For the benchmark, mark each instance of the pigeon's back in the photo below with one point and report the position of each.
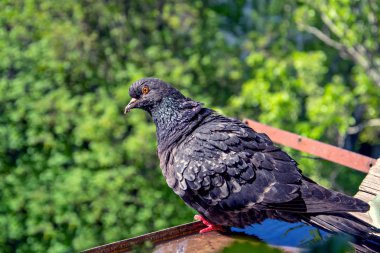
(233, 175)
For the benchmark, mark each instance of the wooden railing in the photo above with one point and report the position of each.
(326, 151)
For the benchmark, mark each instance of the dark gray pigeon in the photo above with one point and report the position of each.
(232, 175)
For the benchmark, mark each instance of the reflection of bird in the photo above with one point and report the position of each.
(232, 175)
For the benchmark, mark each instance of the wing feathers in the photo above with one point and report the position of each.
(231, 168)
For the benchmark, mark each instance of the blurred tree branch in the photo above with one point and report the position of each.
(358, 128)
(359, 51)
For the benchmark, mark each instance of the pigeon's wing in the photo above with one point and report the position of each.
(226, 164)
(232, 166)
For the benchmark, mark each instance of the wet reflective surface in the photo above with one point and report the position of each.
(290, 237)
(281, 233)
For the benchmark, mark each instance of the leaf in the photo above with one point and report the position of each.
(248, 247)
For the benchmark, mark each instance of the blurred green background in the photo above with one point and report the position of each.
(76, 173)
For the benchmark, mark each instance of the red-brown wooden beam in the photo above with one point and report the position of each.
(317, 148)
(154, 237)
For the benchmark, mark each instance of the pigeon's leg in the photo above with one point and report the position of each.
(210, 226)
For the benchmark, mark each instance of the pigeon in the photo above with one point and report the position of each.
(232, 175)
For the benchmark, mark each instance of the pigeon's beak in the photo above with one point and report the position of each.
(130, 105)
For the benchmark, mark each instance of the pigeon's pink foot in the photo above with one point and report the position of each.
(210, 226)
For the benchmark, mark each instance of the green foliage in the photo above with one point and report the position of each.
(248, 247)
(352, 29)
(146, 247)
(336, 243)
(76, 173)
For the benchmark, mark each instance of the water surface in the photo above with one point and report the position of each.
(282, 233)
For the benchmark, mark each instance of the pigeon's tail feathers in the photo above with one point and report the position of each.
(319, 199)
(316, 199)
(362, 232)
(343, 222)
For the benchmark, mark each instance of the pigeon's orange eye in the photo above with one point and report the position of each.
(145, 90)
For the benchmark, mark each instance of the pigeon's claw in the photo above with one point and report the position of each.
(210, 226)
(200, 218)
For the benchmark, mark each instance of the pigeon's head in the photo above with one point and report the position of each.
(147, 93)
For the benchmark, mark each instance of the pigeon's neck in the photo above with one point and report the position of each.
(174, 118)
